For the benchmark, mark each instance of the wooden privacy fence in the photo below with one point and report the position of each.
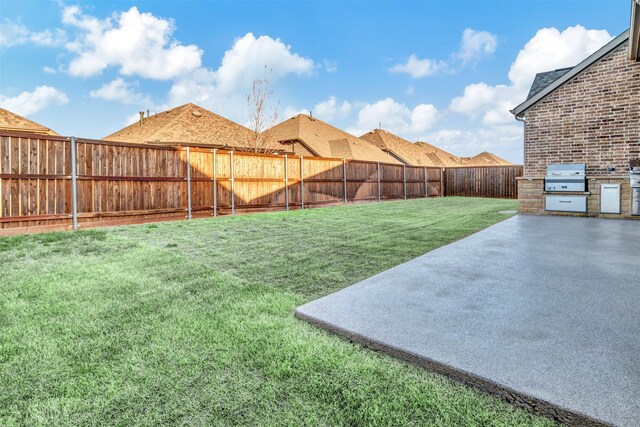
(483, 181)
(54, 182)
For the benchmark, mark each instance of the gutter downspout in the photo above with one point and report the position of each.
(524, 142)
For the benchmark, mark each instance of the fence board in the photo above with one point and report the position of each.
(128, 183)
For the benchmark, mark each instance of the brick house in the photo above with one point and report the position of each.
(587, 114)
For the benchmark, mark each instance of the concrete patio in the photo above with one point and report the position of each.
(542, 311)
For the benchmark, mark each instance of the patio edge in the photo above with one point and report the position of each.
(507, 394)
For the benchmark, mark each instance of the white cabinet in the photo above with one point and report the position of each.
(565, 203)
(610, 198)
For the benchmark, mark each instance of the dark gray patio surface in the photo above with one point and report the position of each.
(543, 311)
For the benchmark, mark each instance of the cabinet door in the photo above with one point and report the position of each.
(610, 198)
(565, 203)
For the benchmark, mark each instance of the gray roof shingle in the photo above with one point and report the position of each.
(543, 80)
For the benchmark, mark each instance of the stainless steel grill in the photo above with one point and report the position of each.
(566, 178)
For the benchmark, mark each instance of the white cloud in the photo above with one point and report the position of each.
(417, 68)
(225, 89)
(49, 70)
(131, 119)
(410, 90)
(332, 109)
(549, 49)
(476, 44)
(120, 91)
(490, 103)
(330, 66)
(291, 112)
(247, 58)
(395, 117)
(137, 43)
(328, 110)
(27, 103)
(14, 34)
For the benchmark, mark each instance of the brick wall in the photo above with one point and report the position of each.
(594, 119)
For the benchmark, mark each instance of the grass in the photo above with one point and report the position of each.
(190, 323)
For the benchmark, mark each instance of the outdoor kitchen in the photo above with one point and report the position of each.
(567, 189)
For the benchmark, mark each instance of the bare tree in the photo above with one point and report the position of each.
(262, 114)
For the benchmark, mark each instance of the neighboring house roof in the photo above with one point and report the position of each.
(425, 154)
(324, 140)
(542, 80)
(438, 155)
(485, 159)
(14, 123)
(187, 124)
(634, 31)
(593, 58)
(414, 154)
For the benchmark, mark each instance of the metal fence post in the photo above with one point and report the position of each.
(188, 184)
(302, 181)
(215, 184)
(233, 196)
(404, 179)
(378, 174)
(74, 182)
(286, 181)
(344, 175)
(426, 183)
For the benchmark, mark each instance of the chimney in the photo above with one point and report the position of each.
(147, 114)
(141, 117)
(311, 114)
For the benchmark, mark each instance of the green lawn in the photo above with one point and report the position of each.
(191, 323)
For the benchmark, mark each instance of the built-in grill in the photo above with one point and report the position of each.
(634, 176)
(566, 178)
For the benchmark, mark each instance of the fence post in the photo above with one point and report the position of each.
(404, 179)
(188, 184)
(442, 173)
(426, 183)
(302, 181)
(74, 182)
(344, 180)
(378, 174)
(286, 181)
(215, 184)
(233, 196)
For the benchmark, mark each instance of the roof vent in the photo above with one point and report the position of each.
(197, 113)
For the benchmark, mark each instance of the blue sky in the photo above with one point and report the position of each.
(445, 72)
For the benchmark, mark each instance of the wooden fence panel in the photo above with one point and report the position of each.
(128, 181)
(391, 181)
(435, 178)
(362, 181)
(483, 181)
(35, 182)
(323, 181)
